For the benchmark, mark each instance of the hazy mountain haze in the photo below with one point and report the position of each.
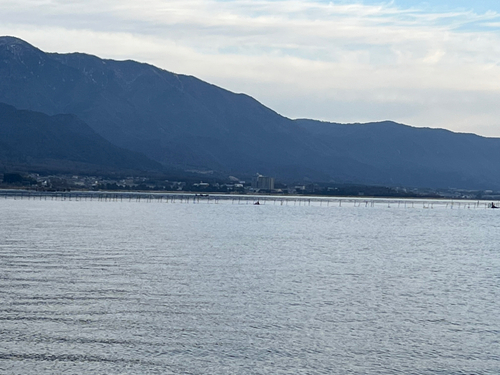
(424, 63)
(183, 122)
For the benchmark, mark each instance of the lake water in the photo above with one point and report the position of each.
(161, 288)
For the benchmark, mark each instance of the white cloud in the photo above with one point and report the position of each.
(338, 62)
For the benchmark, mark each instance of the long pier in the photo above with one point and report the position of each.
(288, 200)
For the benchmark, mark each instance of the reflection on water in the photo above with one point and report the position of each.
(128, 287)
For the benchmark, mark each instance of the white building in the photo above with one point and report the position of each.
(260, 182)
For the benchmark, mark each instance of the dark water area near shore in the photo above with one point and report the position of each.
(126, 287)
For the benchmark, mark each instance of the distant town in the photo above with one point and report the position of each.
(258, 184)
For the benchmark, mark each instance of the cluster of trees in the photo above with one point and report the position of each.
(17, 179)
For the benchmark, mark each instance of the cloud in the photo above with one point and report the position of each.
(300, 57)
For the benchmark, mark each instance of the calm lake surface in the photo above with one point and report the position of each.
(162, 288)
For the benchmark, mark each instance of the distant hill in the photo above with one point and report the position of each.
(61, 143)
(407, 156)
(181, 121)
(174, 119)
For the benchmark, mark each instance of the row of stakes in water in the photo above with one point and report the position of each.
(261, 200)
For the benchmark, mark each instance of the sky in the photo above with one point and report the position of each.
(422, 63)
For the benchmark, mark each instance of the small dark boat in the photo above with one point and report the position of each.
(257, 203)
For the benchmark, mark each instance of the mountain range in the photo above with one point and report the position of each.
(61, 143)
(155, 119)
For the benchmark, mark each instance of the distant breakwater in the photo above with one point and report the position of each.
(150, 197)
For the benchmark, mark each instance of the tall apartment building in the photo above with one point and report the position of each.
(260, 182)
